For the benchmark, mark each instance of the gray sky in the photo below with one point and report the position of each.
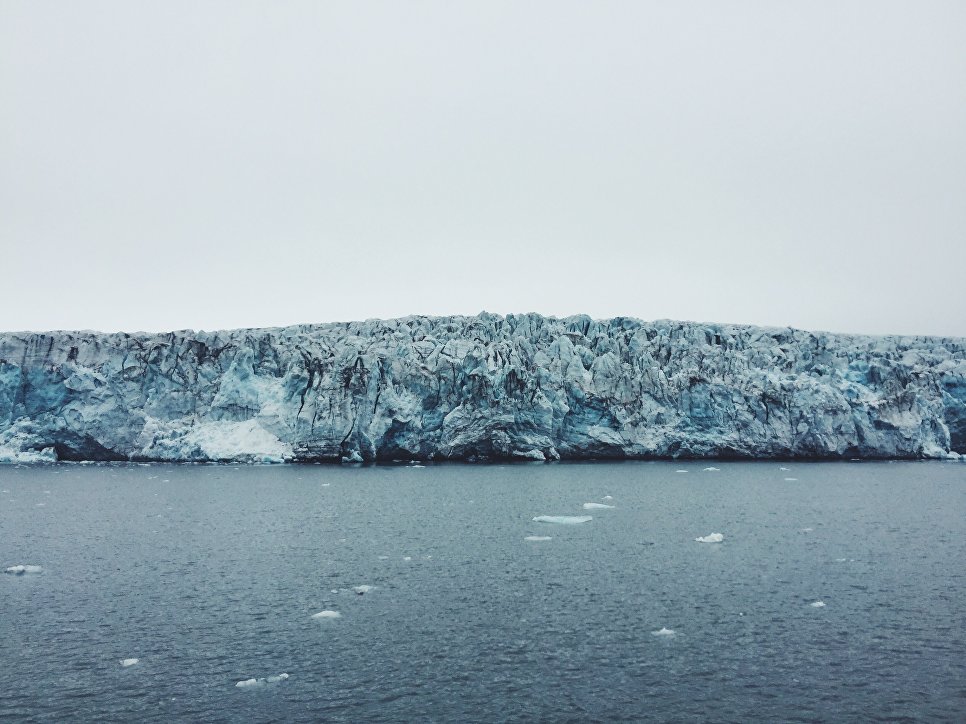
(222, 164)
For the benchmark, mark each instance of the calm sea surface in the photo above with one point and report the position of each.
(210, 575)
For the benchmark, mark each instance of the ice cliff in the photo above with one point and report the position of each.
(476, 388)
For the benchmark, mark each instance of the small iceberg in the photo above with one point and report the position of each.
(712, 470)
(598, 506)
(20, 570)
(711, 538)
(608, 497)
(538, 538)
(129, 662)
(562, 519)
(663, 632)
(790, 480)
(784, 469)
(817, 604)
(680, 471)
(365, 588)
(247, 683)
(326, 614)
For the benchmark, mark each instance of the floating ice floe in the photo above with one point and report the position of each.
(663, 631)
(712, 470)
(538, 538)
(711, 538)
(562, 519)
(784, 469)
(364, 588)
(597, 506)
(680, 471)
(327, 614)
(608, 497)
(129, 662)
(407, 558)
(20, 570)
(807, 530)
(259, 682)
(790, 480)
(817, 604)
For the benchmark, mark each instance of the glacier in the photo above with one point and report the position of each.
(478, 388)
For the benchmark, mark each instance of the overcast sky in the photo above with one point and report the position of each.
(170, 165)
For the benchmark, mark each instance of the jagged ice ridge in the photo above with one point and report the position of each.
(480, 388)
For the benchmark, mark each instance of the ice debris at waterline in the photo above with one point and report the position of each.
(597, 506)
(326, 614)
(129, 662)
(711, 538)
(479, 388)
(538, 538)
(562, 519)
(663, 632)
(259, 682)
(20, 570)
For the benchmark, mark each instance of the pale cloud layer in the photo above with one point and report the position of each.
(223, 164)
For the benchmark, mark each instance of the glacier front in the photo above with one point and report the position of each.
(477, 388)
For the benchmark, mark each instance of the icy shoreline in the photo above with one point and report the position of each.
(476, 389)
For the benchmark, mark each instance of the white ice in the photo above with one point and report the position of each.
(536, 538)
(790, 480)
(365, 588)
(785, 469)
(258, 682)
(712, 470)
(597, 506)
(664, 631)
(327, 614)
(562, 519)
(20, 570)
(129, 662)
(817, 604)
(712, 538)
(608, 497)
(680, 471)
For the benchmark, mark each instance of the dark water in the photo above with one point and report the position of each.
(209, 575)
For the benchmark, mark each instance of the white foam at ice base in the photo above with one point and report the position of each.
(326, 614)
(537, 538)
(21, 569)
(364, 588)
(597, 506)
(790, 480)
(663, 631)
(817, 604)
(129, 662)
(608, 497)
(711, 538)
(259, 682)
(562, 519)
(712, 470)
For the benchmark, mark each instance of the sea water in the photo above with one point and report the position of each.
(193, 592)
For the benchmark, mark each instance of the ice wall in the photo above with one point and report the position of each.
(475, 388)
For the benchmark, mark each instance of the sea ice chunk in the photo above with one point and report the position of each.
(536, 538)
(129, 662)
(663, 631)
(608, 497)
(712, 469)
(259, 682)
(247, 682)
(790, 480)
(817, 604)
(562, 519)
(597, 506)
(711, 538)
(21, 569)
(327, 614)
(680, 471)
(364, 588)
